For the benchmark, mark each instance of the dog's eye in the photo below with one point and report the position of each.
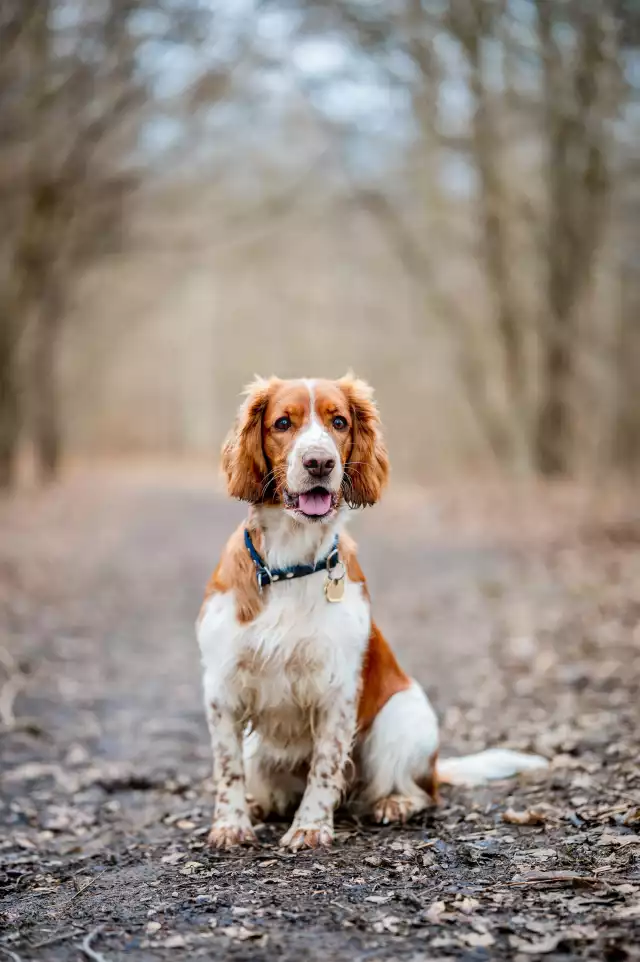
(339, 423)
(282, 424)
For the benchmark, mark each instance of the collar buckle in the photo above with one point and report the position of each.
(264, 576)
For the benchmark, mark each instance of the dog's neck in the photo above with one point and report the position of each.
(289, 542)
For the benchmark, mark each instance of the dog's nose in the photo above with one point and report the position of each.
(318, 464)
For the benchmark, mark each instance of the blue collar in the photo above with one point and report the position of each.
(266, 575)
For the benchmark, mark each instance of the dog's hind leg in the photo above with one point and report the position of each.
(397, 758)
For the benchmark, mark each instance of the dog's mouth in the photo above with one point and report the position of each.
(316, 504)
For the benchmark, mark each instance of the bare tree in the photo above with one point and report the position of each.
(77, 98)
(566, 112)
(577, 109)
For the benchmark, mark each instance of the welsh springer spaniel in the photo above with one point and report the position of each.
(298, 680)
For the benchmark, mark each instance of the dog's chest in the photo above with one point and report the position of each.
(301, 651)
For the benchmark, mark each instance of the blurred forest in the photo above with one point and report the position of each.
(443, 194)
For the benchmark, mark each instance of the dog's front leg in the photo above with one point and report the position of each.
(231, 820)
(334, 731)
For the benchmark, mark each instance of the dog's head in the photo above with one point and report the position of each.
(307, 445)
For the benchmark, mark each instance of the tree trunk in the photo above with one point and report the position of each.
(44, 386)
(627, 415)
(9, 404)
(472, 24)
(553, 427)
(576, 112)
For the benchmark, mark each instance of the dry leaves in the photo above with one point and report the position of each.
(620, 841)
(547, 655)
(552, 878)
(530, 816)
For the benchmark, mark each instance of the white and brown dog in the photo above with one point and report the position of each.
(303, 694)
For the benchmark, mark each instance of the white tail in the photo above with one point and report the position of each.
(487, 765)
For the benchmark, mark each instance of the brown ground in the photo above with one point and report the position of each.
(522, 633)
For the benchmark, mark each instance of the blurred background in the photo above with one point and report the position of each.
(443, 195)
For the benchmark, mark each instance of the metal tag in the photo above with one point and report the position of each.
(334, 587)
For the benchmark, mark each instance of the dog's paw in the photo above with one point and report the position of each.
(307, 836)
(226, 835)
(394, 808)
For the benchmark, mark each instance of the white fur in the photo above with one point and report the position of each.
(493, 763)
(398, 750)
(291, 676)
(314, 436)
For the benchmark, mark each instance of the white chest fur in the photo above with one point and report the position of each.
(297, 657)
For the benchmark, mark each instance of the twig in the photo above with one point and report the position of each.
(86, 949)
(81, 891)
(12, 955)
(552, 878)
(62, 937)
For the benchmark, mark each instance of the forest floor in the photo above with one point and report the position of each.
(521, 621)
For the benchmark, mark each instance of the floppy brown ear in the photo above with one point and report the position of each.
(243, 459)
(368, 465)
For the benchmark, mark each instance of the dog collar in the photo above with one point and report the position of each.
(267, 575)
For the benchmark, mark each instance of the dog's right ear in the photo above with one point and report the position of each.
(243, 459)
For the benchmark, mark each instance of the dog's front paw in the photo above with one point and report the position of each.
(226, 835)
(307, 836)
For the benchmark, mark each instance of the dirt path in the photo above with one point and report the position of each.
(105, 798)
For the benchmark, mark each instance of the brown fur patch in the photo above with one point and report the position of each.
(367, 467)
(349, 555)
(382, 677)
(243, 459)
(236, 572)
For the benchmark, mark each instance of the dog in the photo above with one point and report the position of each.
(304, 697)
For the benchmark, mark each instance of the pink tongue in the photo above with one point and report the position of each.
(314, 503)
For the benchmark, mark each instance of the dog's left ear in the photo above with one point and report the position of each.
(243, 459)
(368, 465)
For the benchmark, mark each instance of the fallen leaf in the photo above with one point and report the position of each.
(530, 816)
(478, 939)
(621, 841)
(550, 878)
(549, 943)
(540, 947)
(173, 858)
(389, 923)
(467, 905)
(175, 942)
(435, 912)
(444, 942)
(629, 912)
(540, 853)
(241, 933)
